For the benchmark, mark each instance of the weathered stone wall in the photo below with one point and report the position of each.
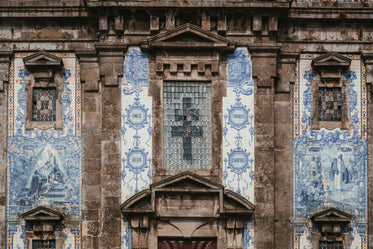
(3, 141)
(101, 35)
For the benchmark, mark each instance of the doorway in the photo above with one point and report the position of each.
(196, 243)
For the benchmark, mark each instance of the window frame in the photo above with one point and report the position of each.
(210, 116)
(46, 72)
(32, 124)
(202, 68)
(330, 67)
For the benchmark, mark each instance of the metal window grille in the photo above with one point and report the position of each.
(44, 104)
(43, 244)
(330, 104)
(330, 245)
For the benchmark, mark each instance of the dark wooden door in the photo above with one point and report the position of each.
(187, 243)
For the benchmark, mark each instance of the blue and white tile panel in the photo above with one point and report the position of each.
(329, 166)
(238, 131)
(44, 166)
(136, 130)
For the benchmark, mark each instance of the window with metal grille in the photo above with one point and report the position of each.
(330, 104)
(187, 125)
(330, 245)
(44, 104)
(43, 244)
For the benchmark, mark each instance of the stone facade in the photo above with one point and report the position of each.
(278, 173)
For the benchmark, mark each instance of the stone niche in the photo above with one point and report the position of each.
(43, 224)
(187, 207)
(46, 71)
(331, 223)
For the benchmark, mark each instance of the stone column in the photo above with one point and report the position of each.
(91, 135)
(368, 60)
(111, 66)
(264, 72)
(4, 78)
(283, 151)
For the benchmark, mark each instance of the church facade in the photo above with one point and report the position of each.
(186, 124)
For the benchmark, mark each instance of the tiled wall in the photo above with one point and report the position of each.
(238, 111)
(136, 130)
(238, 131)
(317, 153)
(54, 155)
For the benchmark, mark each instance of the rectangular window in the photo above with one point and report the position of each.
(43, 244)
(44, 104)
(330, 104)
(330, 245)
(187, 125)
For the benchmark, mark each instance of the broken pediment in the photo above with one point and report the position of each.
(236, 204)
(43, 61)
(42, 214)
(188, 36)
(187, 195)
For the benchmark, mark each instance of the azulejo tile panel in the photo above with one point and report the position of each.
(238, 131)
(136, 130)
(44, 166)
(329, 166)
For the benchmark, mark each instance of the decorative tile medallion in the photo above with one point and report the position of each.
(136, 130)
(329, 166)
(238, 132)
(44, 166)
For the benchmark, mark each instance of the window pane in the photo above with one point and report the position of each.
(330, 245)
(187, 125)
(44, 104)
(43, 244)
(330, 104)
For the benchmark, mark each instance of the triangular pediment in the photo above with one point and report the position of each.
(331, 215)
(236, 204)
(188, 36)
(186, 186)
(331, 59)
(42, 214)
(186, 180)
(42, 60)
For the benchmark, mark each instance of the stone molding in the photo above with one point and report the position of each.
(44, 222)
(4, 68)
(187, 206)
(188, 36)
(111, 57)
(331, 223)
